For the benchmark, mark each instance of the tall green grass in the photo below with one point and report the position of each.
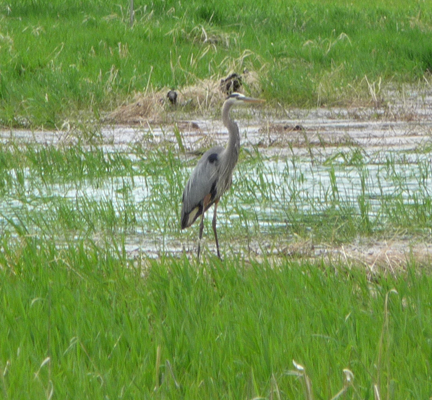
(83, 321)
(58, 58)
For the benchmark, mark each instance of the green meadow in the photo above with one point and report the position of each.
(101, 295)
(84, 322)
(78, 59)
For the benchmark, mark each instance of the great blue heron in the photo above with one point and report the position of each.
(212, 176)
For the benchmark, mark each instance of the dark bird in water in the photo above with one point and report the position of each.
(212, 176)
(172, 97)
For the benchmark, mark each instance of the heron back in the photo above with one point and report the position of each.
(205, 180)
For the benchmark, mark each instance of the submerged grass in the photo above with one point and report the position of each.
(84, 190)
(58, 59)
(62, 164)
(84, 321)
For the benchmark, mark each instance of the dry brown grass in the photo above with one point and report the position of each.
(378, 257)
(153, 106)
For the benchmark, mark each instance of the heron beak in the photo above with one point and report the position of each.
(252, 100)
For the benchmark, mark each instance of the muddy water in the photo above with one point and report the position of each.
(400, 131)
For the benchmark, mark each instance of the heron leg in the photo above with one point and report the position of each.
(205, 203)
(214, 227)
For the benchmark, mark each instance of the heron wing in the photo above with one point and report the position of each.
(202, 182)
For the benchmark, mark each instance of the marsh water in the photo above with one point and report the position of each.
(357, 158)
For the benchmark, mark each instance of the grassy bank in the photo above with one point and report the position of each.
(59, 59)
(85, 322)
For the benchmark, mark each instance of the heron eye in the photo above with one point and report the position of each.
(212, 158)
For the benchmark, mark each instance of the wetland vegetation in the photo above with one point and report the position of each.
(63, 60)
(100, 294)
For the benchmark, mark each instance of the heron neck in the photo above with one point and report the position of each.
(233, 147)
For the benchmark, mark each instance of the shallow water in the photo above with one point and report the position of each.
(356, 156)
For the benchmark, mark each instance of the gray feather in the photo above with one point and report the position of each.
(202, 182)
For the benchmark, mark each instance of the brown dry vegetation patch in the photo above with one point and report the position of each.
(377, 256)
(152, 106)
(392, 256)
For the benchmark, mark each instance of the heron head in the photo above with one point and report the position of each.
(238, 99)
